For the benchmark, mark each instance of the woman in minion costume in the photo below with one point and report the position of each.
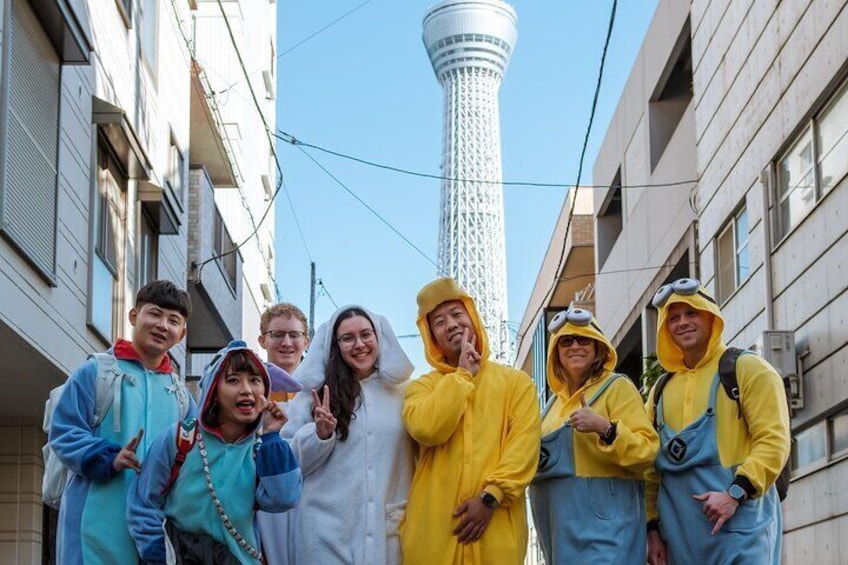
(597, 445)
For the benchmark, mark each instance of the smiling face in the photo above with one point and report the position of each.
(448, 321)
(358, 345)
(690, 330)
(576, 355)
(156, 330)
(285, 341)
(240, 398)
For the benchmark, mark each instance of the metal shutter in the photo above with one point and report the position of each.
(29, 188)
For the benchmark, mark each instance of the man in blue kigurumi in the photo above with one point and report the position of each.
(713, 499)
(146, 398)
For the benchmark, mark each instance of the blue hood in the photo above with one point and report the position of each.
(212, 373)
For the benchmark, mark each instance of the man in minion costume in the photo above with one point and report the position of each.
(713, 498)
(477, 426)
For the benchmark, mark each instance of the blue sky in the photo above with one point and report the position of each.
(364, 87)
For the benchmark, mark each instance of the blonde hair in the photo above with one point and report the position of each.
(282, 309)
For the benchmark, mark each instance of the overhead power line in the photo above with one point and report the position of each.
(292, 140)
(548, 294)
(369, 207)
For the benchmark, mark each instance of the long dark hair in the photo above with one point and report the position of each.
(345, 390)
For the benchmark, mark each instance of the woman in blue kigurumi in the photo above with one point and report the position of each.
(597, 445)
(202, 511)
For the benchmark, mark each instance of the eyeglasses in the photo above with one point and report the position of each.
(347, 341)
(576, 316)
(280, 335)
(568, 340)
(681, 287)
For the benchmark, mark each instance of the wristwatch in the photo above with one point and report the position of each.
(737, 493)
(489, 499)
(609, 436)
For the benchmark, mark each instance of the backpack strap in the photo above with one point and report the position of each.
(186, 438)
(107, 389)
(727, 374)
(604, 387)
(179, 389)
(658, 389)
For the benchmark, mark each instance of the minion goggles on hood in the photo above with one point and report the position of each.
(682, 287)
(576, 316)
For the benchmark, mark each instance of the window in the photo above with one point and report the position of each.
(125, 10)
(671, 97)
(610, 220)
(224, 246)
(30, 73)
(809, 447)
(839, 434)
(108, 224)
(149, 26)
(176, 175)
(148, 251)
(733, 261)
(815, 162)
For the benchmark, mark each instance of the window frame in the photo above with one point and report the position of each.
(808, 127)
(732, 226)
(146, 223)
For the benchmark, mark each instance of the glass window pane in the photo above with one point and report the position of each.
(726, 268)
(796, 189)
(743, 265)
(832, 140)
(102, 297)
(810, 446)
(840, 432)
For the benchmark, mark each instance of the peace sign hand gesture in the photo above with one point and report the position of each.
(126, 458)
(325, 422)
(469, 359)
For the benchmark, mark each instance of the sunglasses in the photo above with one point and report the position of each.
(680, 287)
(568, 340)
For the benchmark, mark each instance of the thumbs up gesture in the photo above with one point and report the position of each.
(126, 458)
(587, 420)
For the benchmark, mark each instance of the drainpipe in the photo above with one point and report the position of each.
(765, 182)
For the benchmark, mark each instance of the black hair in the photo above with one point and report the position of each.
(164, 294)
(236, 362)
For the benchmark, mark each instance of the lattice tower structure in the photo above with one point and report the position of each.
(470, 43)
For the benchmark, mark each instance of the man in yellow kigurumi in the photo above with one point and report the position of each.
(714, 497)
(477, 426)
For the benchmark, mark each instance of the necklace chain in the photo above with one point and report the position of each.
(217, 502)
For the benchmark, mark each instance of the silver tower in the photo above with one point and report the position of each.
(469, 43)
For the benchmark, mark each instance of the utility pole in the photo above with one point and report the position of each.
(312, 300)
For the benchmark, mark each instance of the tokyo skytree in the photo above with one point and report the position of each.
(470, 43)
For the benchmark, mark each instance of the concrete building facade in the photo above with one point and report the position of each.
(112, 147)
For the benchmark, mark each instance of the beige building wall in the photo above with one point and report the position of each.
(765, 75)
(645, 234)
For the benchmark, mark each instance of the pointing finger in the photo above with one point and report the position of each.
(327, 398)
(583, 400)
(316, 402)
(133, 444)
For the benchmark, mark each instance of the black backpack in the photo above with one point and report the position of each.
(727, 376)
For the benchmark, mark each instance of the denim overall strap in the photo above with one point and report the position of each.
(689, 464)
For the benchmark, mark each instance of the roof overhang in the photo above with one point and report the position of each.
(122, 137)
(66, 23)
(207, 144)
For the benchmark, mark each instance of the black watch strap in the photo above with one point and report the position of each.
(489, 499)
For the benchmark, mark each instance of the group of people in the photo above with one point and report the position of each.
(337, 456)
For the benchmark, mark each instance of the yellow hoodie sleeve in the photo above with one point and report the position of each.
(520, 457)
(652, 479)
(636, 443)
(767, 417)
(434, 405)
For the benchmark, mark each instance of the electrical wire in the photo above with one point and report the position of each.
(368, 207)
(292, 140)
(320, 283)
(520, 337)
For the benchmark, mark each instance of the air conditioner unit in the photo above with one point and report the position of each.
(778, 348)
(266, 291)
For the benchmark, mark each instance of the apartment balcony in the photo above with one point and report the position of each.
(214, 270)
(211, 148)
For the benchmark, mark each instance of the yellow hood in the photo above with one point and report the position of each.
(593, 331)
(429, 298)
(668, 353)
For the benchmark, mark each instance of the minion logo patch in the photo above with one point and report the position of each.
(676, 449)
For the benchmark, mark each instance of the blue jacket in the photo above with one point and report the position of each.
(245, 475)
(93, 506)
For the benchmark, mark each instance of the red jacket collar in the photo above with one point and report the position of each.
(124, 349)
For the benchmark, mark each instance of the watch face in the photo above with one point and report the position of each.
(736, 492)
